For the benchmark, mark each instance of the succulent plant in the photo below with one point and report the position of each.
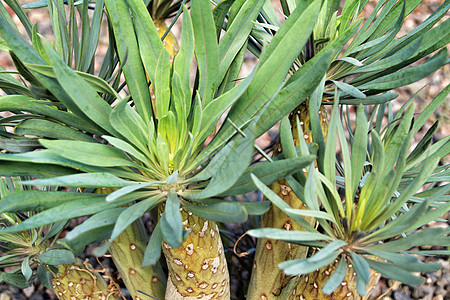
(369, 208)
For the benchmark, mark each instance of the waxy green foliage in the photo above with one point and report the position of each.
(151, 154)
(375, 227)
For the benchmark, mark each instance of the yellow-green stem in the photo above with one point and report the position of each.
(310, 286)
(79, 281)
(127, 252)
(198, 269)
(267, 280)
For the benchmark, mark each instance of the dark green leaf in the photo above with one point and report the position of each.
(280, 203)
(268, 173)
(83, 95)
(407, 76)
(288, 236)
(45, 277)
(94, 154)
(14, 277)
(132, 213)
(232, 161)
(57, 257)
(83, 180)
(335, 280)
(361, 267)
(206, 48)
(390, 271)
(349, 89)
(26, 269)
(236, 34)
(14, 168)
(128, 51)
(69, 210)
(48, 129)
(224, 211)
(153, 250)
(171, 227)
(276, 60)
(36, 200)
(44, 108)
(304, 266)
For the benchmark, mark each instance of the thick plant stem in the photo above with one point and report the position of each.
(310, 286)
(267, 280)
(127, 252)
(198, 269)
(79, 281)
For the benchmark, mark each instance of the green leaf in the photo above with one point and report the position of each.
(214, 110)
(406, 261)
(14, 277)
(287, 139)
(171, 227)
(36, 200)
(236, 34)
(14, 168)
(183, 60)
(69, 210)
(49, 129)
(26, 269)
(44, 276)
(361, 267)
(155, 57)
(326, 251)
(335, 280)
(429, 236)
(83, 180)
(19, 145)
(129, 189)
(224, 211)
(126, 147)
(97, 83)
(83, 95)
(128, 51)
(304, 266)
(132, 213)
(276, 60)
(232, 161)
(44, 108)
(288, 236)
(130, 125)
(153, 250)
(206, 48)
(407, 76)
(280, 203)
(430, 109)
(317, 214)
(390, 271)
(40, 160)
(359, 148)
(57, 257)
(94, 154)
(370, 100)
(256, 208)
(268, 173)
(95, 229)
(349, 89)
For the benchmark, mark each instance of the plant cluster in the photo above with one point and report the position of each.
(140, 135)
